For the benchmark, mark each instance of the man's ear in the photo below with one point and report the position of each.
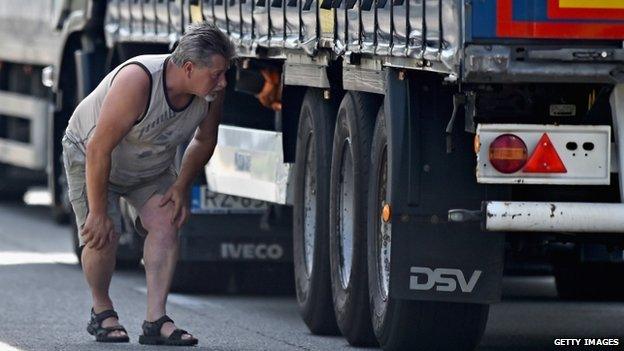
(188, 68)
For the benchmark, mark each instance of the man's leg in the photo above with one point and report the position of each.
(160, 254)
(98, 267)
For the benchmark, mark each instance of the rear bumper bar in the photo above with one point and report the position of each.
(562, 217)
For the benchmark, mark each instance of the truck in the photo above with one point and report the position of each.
(422, 141)
(52, 54)
(415, 141)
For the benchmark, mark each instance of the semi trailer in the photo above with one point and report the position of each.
(421, 141)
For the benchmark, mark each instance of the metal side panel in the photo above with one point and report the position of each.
(247, 25)
(399, 21)
(416, 44)
(234, 20)
(30, 155)
(176, 20)
(367, 32)
(249, 163)
(340, 41)
(353, 26)
(432, 19)
(195, 13)
(384, 27)
(220, 14)
(111, 22)
(186, 14)
(277, 22)
(162, 20)
(136, 20)
(308, 24)
(291, 24)
(207, 9)
(326, 24)
(261, 22)
(149, 20)
(452, 34)
(124, 20)
(442, 43)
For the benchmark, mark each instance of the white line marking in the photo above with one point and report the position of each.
(8, 258)
(7, 347)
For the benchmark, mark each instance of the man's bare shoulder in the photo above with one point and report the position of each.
(132, 77)
(129, 93)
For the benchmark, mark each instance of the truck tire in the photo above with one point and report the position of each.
(310, 216)
(406, 324)
(347, 216)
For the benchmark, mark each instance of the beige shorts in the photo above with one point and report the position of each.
(136, 195)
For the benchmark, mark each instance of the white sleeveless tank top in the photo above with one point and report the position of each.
(150, 146)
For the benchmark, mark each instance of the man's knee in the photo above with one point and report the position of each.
(159, 227)
(156, 220)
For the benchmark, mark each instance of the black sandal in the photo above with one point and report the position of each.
(151, 334)
(102, 333)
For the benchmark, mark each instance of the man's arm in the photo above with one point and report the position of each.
(123, 105)
(197, 154)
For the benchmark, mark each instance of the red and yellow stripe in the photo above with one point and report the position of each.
(586, 9)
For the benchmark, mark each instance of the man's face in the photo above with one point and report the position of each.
(205, 81)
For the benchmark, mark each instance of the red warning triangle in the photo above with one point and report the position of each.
(545, 158)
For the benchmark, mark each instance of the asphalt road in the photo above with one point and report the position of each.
(44, 304)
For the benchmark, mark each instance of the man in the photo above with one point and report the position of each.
(121, 142)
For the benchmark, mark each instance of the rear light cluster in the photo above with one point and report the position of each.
(508, 154)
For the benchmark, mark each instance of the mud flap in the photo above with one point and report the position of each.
(433, 259)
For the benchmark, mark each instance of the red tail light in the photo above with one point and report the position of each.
(545, 158)
(508, 153)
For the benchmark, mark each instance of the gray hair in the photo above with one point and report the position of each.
(200, 42)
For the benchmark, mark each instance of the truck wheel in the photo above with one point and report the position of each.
(404, 324)
(347, 216)
(310, 217)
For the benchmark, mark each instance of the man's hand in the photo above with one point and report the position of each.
(179, 196)
(98, 230)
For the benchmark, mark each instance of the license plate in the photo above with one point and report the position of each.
(204, 201)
